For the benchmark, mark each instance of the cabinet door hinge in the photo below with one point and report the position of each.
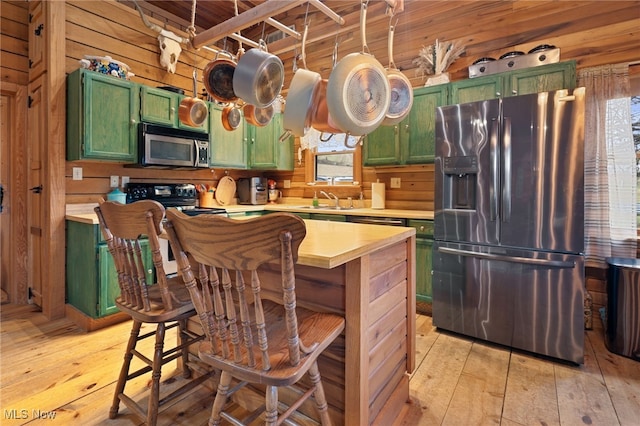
(30, 64)
(38, 30)
(30, 17)
(29, 293)
(29, 101)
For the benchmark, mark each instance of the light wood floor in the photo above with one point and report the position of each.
(56, 369)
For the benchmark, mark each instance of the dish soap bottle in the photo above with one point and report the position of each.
(315, 202)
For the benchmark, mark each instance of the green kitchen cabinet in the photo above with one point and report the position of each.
(103, 113)
(329, 216)
(424, 262)
(228, 148)
(162, 106)
(561, 75)
(266, 152)
(91, 277)
(412, 141)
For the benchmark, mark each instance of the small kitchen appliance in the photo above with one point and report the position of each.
(160, 146)
(252, 190)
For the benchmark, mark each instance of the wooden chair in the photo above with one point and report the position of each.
(166, 303)
(250, 338)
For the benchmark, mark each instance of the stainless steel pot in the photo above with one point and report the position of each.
(401, 90)
(258, 77)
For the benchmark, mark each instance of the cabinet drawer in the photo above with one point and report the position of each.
(424, 228)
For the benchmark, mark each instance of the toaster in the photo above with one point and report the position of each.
(252, 190)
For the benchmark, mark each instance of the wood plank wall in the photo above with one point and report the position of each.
(584, 31)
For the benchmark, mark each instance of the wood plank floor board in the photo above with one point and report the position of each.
(478, 397)
(621, 378)
(458, 380)
(531, 383)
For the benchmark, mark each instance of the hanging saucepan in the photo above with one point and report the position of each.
(301, 99)
(256, 116)
(258, 77)
(401, 90)
(321, 119)
(193, 111)
(218, 78)
(358, 92)
(231, 117)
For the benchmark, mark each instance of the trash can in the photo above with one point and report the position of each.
(622, 326)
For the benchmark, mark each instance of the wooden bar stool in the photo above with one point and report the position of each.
(252, 340)
(165, 303)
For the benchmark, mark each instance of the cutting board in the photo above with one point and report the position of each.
(225, 191)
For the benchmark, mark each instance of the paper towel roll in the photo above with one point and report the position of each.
(377, 195)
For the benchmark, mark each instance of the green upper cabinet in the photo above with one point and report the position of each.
(542, 79)
(161, 106)
(561, 75)
(250, 147)
(411, 141)
(102, 117)
(228, 148)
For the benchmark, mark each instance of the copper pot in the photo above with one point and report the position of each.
(218, 79)
(231, 117)
(256, 116)
(321, 119)
(193, 112)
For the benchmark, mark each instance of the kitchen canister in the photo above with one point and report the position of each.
(377, 195)
(117, 195)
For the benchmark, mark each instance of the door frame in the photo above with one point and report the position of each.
(14, 247)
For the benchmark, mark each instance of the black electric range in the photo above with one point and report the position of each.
(182, 196)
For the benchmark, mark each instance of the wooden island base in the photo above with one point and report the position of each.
(367, 274)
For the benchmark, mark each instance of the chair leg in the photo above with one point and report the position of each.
(156, 372)
(184, 337)
(271, 408)
(221, 398)
(124, 370)
(319, 396)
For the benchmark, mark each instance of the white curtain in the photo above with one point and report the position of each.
(610, 165)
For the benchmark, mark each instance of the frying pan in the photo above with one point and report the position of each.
(358, 93)
(258, 77)
(401, 90)
(193, 111)
(218, 78)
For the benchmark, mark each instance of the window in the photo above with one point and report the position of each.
(332, 162)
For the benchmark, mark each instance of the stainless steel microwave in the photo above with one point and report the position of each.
(165, 146)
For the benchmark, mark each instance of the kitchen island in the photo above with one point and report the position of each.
(365, 273)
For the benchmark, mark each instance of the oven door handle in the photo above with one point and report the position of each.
(514, 259)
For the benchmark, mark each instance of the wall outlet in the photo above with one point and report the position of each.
(77, 173)
(124, 180)
(395, 182)
(287, 183)
(113, 182)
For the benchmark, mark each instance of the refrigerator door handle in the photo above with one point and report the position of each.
(515, 259)
(495, 182)
(506, 184)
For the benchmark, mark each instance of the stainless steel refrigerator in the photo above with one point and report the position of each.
(508, 264)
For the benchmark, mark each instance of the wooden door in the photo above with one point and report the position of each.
(13, 241)
(35, 180)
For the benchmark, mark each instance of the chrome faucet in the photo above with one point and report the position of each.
(332, 197)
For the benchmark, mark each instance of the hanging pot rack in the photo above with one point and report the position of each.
(260, 13)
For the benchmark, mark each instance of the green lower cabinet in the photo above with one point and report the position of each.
(91, 277)
(329, 216)
(424, 263)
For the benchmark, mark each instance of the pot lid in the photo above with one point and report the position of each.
(542, 48)
(483, 60)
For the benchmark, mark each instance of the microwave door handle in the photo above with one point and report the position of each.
(494, 183)
(195, 153)
(506, 184)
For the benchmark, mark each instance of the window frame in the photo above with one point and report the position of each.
(310, 166)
